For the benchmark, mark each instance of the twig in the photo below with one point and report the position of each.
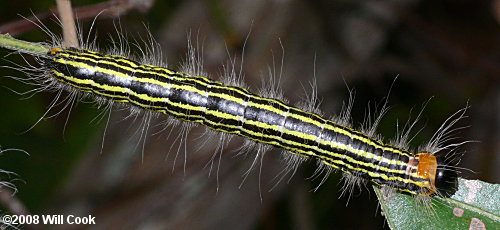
(8, 42)
(109, 9)
(68, 23)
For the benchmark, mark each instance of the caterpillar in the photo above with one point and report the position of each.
(235, 110)
(367, 72)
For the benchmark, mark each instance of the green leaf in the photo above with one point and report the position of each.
(476, 205)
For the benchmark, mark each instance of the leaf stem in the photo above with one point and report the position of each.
(8, 42)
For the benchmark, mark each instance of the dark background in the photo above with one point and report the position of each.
(444, 50)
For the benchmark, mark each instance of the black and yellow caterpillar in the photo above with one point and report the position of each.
(235, 110)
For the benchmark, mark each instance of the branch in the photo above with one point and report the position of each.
(8, 42)
(68, 23)
(109, 9)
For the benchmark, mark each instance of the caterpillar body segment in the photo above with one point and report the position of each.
(235, 110)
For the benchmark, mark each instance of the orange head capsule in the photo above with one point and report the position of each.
(54, 50)
(443, 178)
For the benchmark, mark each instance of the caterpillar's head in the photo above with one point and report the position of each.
(442, 176)
(446, 180)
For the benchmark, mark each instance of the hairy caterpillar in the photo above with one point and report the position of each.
(122, 62)
(237, 111)
(450, 81)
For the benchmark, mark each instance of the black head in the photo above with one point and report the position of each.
(446, 181)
